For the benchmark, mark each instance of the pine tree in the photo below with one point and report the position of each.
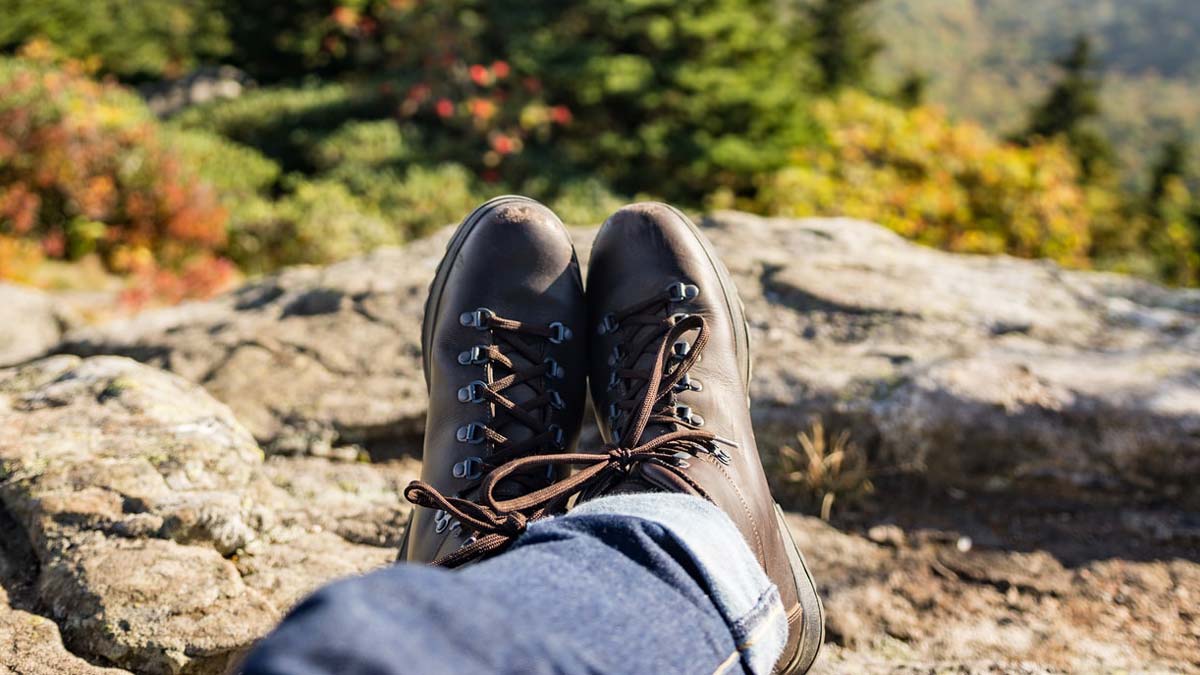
(911, 91)
(1173, 214)
(1171, 164)
(843, 44)
(1070, 107)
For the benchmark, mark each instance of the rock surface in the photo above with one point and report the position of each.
(930, 608)
(30, 324)
(960, 367)
(142, 529)
(162, 540)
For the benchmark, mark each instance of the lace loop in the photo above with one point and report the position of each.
(526, 366)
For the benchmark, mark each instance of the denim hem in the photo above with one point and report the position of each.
(724, 567)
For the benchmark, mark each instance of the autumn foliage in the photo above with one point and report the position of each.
(83, 171)
(944, 184)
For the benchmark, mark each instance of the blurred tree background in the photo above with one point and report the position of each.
(356, 123)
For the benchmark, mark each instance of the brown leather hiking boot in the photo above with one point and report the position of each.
(505, 362)
(670, 372)
(669, 375)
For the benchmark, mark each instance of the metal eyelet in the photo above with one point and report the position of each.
(686, 383)
(681, 292)
(558, 435)
(608, 325)
(617, 355)
(719, 454)
(684, 413)
(556, 400)
(681, 460)
(614, 413)
(470, 468)
(476, 319)
(613, 380)
(472, 393)
(441, 520)
(681, 349)
(677, 317)
(470, 540)
(471, 433)
(556, 371)
(475, 356)
(560, 333)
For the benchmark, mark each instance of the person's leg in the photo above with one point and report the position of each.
(645, 583)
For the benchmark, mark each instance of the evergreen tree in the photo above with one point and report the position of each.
(911, 91)
(1171, 164)
(1071, 106)
(843, 43)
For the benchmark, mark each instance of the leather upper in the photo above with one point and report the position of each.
(639, 251)
(514, 257)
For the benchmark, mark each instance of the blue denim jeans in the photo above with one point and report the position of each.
(639, 583)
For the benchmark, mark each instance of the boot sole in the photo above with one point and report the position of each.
(812, 626)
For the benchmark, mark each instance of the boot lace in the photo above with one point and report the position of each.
(646, 400)
(512, 360)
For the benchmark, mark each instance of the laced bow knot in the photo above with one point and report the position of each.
(622, 459)
(649, 402)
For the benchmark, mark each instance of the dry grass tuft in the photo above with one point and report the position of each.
(827, 468)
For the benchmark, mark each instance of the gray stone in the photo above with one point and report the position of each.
(31, 323)
(163, 542)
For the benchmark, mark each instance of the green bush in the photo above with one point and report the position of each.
(416, 200)
(285, 123)
(679, 98)
(327, 219)
(585, 202)
(134, 39)
(232, 168)
(373, 144)
(317, 222)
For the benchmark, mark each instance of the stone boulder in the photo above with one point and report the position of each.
(312, 360)
(142, 531)
(157, 537)
(30, 324)
(960, 367)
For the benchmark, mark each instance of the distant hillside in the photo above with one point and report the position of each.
(989, 59)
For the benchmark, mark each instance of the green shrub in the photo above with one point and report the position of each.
(285, 123)
(679, 98)
(317, 222)
(373, 144)
(134, 39)
(585, 202)
(430, 197)
(327, 219)
(232, 168)
(416, 200)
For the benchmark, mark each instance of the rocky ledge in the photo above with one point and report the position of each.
(959, 367)
(158, 517)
